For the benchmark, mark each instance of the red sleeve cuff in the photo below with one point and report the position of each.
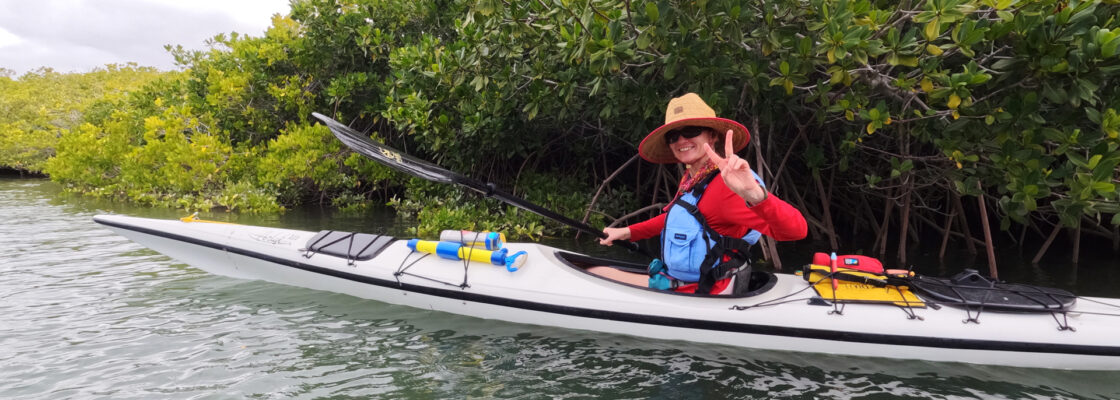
(764, 199)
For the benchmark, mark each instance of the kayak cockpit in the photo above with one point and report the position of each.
(759, 282)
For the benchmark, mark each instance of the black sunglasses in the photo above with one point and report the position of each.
(687, 132)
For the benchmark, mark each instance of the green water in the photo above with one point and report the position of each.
(88, 314)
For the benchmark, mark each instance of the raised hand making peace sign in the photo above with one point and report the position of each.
(736, 172)
(732, 207)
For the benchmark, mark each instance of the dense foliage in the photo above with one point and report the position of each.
(40, 105)
(856, 105)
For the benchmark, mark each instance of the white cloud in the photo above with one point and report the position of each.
(80, 35)
(8, 39)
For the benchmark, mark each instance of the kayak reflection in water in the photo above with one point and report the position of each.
(721, 207)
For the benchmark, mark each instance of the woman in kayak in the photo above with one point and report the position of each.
(720, 209)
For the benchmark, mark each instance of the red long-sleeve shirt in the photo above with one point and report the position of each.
(729, 215)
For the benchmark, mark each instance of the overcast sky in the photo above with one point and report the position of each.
(80, 35)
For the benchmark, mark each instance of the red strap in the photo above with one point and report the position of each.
(717, 288)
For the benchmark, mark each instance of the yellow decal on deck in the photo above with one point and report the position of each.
(392, 155)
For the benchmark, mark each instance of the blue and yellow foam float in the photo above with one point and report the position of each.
(459, 251)
(486, 240)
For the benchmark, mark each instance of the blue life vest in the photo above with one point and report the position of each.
(692, 250)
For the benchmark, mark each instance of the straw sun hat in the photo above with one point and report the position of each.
(689, 110)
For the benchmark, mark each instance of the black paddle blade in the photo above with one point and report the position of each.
(426, 170)
(387, 155)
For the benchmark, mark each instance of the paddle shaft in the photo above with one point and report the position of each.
(392, 158)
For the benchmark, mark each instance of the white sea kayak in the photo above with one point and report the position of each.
(779, 312)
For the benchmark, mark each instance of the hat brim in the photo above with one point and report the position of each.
(654, 149)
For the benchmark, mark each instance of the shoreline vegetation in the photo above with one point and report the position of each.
(986, 122)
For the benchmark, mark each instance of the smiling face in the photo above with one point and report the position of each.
(690, 151)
